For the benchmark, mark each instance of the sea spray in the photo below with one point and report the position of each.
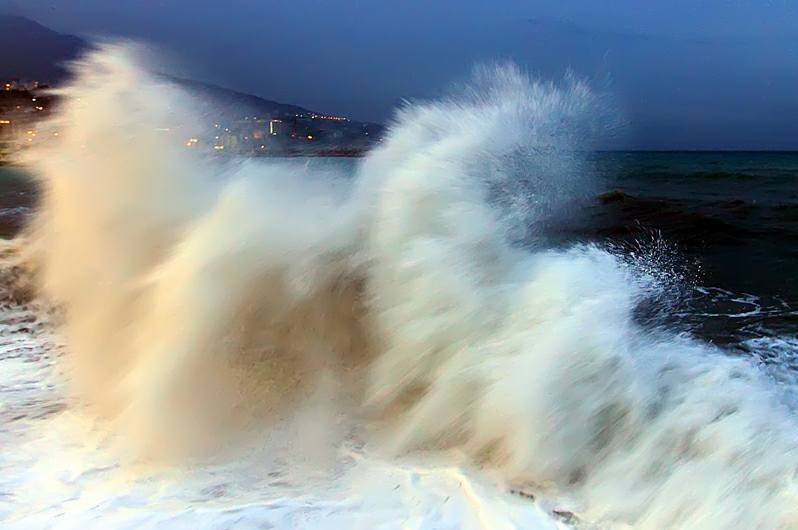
(204, 297)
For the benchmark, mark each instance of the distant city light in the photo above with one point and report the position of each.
(242, 135)
(328, 117)
(272, 127)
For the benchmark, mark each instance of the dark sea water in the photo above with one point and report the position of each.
(730, 225)
(17, 199)
(723, 226)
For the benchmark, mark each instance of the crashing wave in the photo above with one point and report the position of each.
(205, 298)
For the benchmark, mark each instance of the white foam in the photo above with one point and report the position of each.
(58, 470)
(202, 299)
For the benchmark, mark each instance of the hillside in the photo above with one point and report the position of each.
(32, 51)
(39, 53)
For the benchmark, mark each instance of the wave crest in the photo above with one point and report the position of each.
(203, 297)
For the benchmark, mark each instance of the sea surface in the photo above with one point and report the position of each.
(719, 230)
(479, 324)
(724, 224)
(730, 224)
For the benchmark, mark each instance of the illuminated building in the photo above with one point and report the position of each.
(276, 127)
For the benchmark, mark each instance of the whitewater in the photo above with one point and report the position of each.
(264, 343)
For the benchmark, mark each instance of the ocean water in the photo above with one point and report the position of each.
(727, 223)
(482, 324)
(732, 219)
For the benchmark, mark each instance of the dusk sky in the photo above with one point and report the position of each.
(708, 74)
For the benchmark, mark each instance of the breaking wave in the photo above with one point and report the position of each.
(204, 298)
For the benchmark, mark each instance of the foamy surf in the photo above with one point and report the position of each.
(60, 468)
(207, 303)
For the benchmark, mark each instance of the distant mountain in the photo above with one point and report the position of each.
(227, 102)
(32, 51)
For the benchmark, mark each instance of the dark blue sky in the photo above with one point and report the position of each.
(687, 73)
